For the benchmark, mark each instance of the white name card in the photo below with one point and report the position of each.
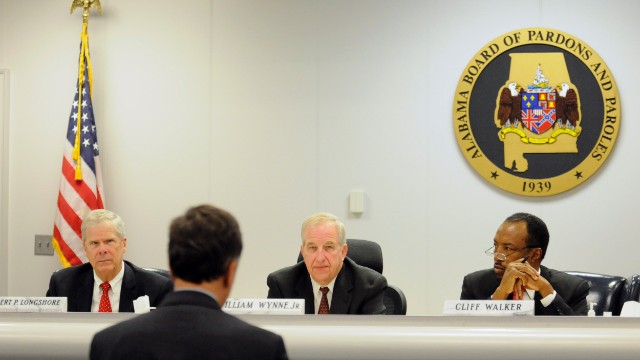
(489, 307)
(264, 306)
(33, 304)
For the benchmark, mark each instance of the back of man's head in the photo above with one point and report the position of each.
(202, 244)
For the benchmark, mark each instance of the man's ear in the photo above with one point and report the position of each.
(230, 275)
(537, 255)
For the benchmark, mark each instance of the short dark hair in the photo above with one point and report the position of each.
(537, 232)
(202, 243)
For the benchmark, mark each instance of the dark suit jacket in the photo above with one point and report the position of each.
(76, 283)
(186, 325)
(357, 290)
(571, 291)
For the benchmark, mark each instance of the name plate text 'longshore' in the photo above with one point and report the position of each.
(33, 304)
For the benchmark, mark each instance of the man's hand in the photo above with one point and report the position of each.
(518, 274)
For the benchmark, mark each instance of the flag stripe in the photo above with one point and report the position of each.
(79, 187)
(70, 237)
(69, 215)
(68, 254)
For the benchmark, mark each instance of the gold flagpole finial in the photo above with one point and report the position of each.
(86, 4)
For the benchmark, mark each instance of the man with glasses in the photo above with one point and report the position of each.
(518, 248)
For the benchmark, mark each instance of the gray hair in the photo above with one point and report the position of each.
(325, 219)
(100, 216)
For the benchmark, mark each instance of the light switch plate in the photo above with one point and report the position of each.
(43, 245)
(356, 201)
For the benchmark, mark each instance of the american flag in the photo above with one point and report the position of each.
(81, 182)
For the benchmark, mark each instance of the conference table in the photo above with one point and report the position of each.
(68, 336)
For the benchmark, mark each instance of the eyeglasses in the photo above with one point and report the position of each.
(502, 257)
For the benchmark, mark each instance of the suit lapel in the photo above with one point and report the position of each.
(305, 290)
(127, 292)
(342, 290)
(84, 291)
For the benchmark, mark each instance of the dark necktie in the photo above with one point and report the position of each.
(324, 303)
(105, 304)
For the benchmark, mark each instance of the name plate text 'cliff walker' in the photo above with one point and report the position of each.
(489, 308)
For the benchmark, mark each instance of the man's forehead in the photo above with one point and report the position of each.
(320, 241)
(101, 232)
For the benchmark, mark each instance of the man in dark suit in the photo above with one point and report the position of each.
(327, 279)
(105, 242)
(204, 248)
(519, 246)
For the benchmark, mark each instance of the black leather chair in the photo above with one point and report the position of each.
(368, 253)
(162, 272)
(631, 290)
(607, 291)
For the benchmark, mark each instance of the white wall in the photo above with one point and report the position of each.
(277, 109)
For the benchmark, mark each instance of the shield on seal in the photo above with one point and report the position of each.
(539, 110)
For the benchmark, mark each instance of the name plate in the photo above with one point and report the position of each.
(33, 304)
(264, 306)
(489, 307)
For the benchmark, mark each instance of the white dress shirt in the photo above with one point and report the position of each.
(317, 294)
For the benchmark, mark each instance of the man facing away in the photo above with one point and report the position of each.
(519, 246)
(107, 283)
(204, 247)
(327, 279)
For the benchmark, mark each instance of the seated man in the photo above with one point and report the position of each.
(204, 248)
(519, 246)
(327, 280)
(107, 283)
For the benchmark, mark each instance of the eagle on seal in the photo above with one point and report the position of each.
(567, 106)
(510, 108)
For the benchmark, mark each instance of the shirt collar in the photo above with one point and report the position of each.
(316, 286)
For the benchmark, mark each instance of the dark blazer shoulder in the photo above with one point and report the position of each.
(138, 282)
(479, 285)
(363, 274)
(191, 334)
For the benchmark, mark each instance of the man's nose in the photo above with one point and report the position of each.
(321, 255)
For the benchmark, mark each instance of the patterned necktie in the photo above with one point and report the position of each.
(105, 304)
(324, 303)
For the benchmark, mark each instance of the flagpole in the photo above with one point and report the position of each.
(84, 56)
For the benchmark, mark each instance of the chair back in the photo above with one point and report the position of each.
(161, 272)
(631, 290)
(395, 301)
(606, 291)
